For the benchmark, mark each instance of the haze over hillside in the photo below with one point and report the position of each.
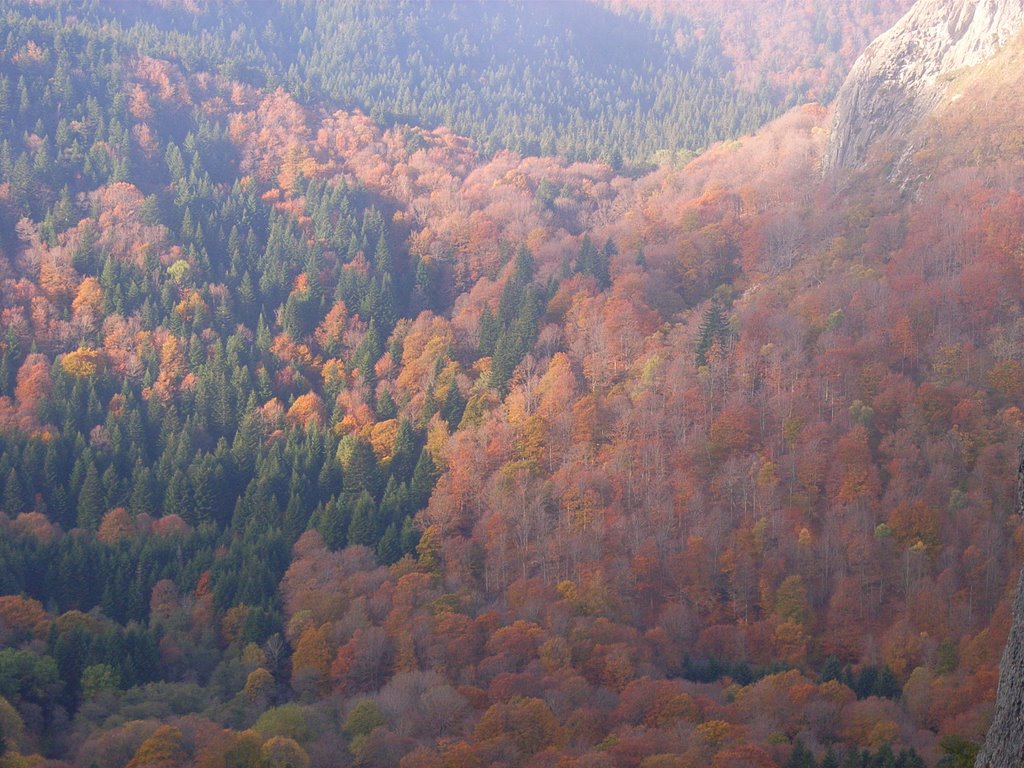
(370, 396)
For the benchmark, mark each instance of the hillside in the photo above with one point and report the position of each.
(575, 78)
(327, 442)
(906, 72)
(796, 50)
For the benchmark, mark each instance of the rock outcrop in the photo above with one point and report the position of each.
(1004, 745)
(905, 72)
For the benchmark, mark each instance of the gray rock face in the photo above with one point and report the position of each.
(1004, 745)
(904, 73)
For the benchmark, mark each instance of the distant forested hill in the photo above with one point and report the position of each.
(565, 78)
(796, 50)
(573, 78)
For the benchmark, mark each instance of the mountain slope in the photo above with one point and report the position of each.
(905, 72)
(308, 422)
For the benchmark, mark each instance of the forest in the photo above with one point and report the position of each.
(351, 414)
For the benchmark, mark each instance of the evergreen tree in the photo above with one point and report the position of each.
(382, 257)
(909, 758)
(5, 105)
(831, 670)
(801, 757)
(333, 524)
(363, 527)
(422, 485)
(489, 332)
(602, 265)
(55, 489)
(714, 327)
(427, 296)
(453, 406)
(143, 496)
(409, 537)
(403, 459)
(329, 481)
(389, 548)
(114, 488)
(386, 408)
(178, 498)
(91, 500)
(887, 686)
(360, 472)
(296, 517)
(366, 354)
(15, 498)
(394, 502)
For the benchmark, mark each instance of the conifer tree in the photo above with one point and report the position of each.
(333, 524)
(90, 499)
(389, 548)
(422, 485)
(714, 327)
(409, 537)
(403, 459)
(15, 498)
(363, 527)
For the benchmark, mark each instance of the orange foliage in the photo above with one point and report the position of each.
(22, 618)
(311, 660)
(308, 409)
(33, 384)
(87, 308)
(116, 526)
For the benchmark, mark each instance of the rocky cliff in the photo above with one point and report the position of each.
(905, 72)
(1004, 745)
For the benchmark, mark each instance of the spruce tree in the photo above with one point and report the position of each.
(55, 487)
(143, 496)
(90, 500)
(386, 408)
(389, 548)
(489, 331)
(602, 265)
(363, 527)
(403, 459)
(15, 498)
(296, 516)
(204, 490)
(393, 504)
(329, 481)
(714, 327)
(360, 472)
(178, 498)
(409, 537)
(423, 479)
(333, 524)
(382, 256)
(453, 406)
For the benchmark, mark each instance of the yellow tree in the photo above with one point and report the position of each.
(161, 750)
(311, 661)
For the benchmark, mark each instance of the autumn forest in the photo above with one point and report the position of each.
(467, 384)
